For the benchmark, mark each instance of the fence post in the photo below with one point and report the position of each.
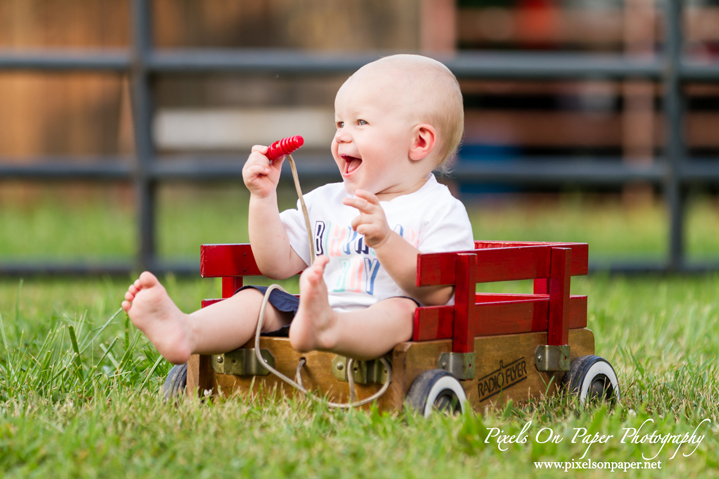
(142, 123)
(674, 148)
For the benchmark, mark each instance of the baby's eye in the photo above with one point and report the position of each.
(361, 122)
(340, 124)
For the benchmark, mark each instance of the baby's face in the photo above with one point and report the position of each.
(374, 134)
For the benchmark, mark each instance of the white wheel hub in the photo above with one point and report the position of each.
(596, 369)
(445, 383)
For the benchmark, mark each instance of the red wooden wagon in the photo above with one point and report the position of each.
(485, 349)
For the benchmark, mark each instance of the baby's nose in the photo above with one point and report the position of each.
(342, 135)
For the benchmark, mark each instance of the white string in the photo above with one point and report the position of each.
(300, 387)
(308, 226)
(298, 375)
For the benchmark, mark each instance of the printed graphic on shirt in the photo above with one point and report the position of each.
(358, 263)
(409, 235)
(319, 234)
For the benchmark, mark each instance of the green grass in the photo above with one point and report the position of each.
(90, 406)
(188, 217)
(99, 414)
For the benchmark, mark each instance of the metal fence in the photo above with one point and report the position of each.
(674, 173)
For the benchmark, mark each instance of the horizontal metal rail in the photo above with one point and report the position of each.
(699, 71)
(85, 267)
(63, 168)
(191, 268)
(481, 65)
(523, 66)
(557, 171)
(68, 268)
(699, 172)
(62, 60)
(529, 171)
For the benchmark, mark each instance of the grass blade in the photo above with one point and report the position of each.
(7, 348)
(127, 332)
(2, 330)
(17, 301)
(109, 354)
(100, 331)
(152, 370)
(77, 361)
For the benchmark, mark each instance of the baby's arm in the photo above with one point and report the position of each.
(395, 254)
(270, 245)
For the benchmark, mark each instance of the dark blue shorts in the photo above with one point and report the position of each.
(288, 303)
(285, 302)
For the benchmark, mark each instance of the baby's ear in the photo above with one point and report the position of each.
(424, 139)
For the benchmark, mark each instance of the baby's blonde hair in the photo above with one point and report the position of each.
(434, 90)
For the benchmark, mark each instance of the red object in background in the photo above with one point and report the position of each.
(284, 147)
(538, 22)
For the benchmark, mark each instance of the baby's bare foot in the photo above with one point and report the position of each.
(315, 321)
(154, 313)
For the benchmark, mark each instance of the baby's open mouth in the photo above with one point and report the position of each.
(351, 164)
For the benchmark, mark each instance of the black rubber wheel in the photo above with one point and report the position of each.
(176, 382)
(592, 378)
(436, 390)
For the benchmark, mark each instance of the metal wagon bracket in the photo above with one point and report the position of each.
(461, 365)
(243, 362)
(552, 358)
(363, 372)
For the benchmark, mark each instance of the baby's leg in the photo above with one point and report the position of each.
(219, 328)
(363, 334)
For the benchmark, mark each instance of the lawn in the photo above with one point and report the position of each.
(79, 387)
(102, 225)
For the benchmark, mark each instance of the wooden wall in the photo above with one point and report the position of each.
(67, 113)
(80, 113)
(89, 114)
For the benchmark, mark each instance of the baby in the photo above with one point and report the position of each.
(397, 120)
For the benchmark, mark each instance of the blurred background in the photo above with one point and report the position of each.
(124, 125)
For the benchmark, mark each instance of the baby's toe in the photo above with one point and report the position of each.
(319, 266)
(129, 296)
(147, 280)
(314, 277)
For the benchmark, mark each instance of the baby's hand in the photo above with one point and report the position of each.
(371, 222)
(260, 174)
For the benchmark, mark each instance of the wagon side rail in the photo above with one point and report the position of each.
(550, 308)
(231, 262)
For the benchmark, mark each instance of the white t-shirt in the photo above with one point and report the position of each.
(430, 219)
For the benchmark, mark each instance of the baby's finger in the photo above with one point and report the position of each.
(261, 149)
(257, 158)
(364, 229)
(353, 202)
(254, 171)
(358, 220)
(278, 162)
(369, 197)
(361, 204)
